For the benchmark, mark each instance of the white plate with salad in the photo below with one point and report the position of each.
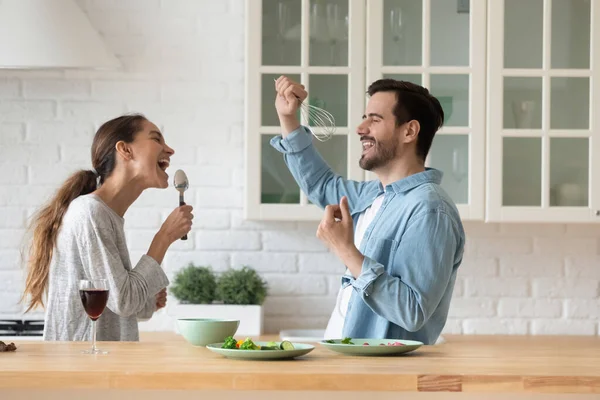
(249, 350)
(371, 347)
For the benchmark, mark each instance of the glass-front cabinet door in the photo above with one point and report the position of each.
(543, 137)
(320, 44)
(439, 44)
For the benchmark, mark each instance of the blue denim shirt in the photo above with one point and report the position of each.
(412, 248)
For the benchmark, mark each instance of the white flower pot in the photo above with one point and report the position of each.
(250, 317)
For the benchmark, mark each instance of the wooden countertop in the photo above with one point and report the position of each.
(525, 364)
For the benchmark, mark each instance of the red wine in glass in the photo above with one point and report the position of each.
(94, 296)
(94, 301)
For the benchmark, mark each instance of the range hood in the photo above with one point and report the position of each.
(40, 34)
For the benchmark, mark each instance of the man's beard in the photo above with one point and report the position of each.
(380, 155)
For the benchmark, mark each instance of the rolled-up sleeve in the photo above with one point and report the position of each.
(408, 291)
(129, 290)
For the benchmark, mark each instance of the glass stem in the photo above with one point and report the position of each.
(93, 336)
(332, 52)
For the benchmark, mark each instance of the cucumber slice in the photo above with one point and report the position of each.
(269, 348)
(286, 345)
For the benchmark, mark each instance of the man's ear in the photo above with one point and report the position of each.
(411, 131)
(124, 150)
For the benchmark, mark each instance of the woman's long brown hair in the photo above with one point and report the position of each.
(48, 220)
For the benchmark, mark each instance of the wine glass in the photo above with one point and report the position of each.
(94, 295)
(316, 30)
(283, 16)
(397, 30)
(459, 164)
(332, 13)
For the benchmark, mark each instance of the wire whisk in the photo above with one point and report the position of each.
(321, 119)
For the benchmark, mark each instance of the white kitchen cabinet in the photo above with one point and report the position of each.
(517, 80)
(439, 44)
(321, 44)
(543, 146)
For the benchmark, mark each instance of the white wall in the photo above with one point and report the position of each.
(184, 68)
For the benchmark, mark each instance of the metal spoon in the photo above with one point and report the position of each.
(181, 183)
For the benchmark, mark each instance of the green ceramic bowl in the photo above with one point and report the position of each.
(202, 331)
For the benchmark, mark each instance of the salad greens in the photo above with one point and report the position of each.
(248, 344)
(343, 341)
(230, 343)
(349, 341)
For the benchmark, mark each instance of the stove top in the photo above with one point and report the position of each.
(21, 328)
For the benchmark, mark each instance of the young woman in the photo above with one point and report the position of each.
(79, 235)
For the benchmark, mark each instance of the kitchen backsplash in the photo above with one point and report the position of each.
(184, 68)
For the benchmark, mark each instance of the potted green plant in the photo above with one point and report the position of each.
(194, 285)
(235, 294)
(241, 286)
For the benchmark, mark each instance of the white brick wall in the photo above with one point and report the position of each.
(184, 68)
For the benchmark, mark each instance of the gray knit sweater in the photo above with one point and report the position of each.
(91, 244)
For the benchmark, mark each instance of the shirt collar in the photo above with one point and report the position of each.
(430, 175)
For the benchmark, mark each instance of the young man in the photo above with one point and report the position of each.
(400, 236)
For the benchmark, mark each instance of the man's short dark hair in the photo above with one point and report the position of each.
(413, 102)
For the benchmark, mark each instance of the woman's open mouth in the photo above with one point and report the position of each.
(163, 164)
